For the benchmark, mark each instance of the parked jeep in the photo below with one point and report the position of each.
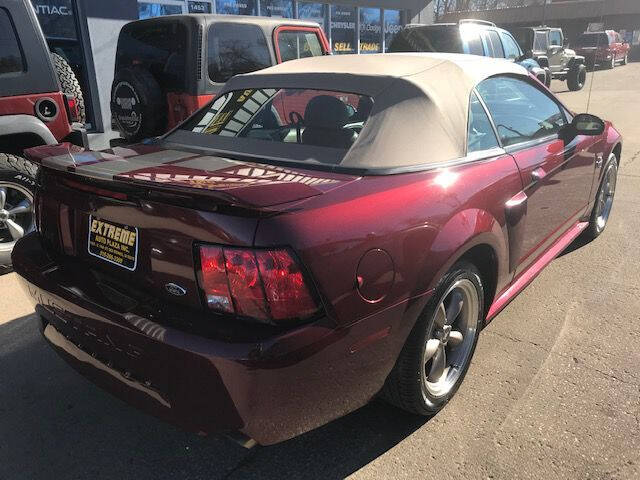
(474, 37)
(168, 67)
(40, 103)
(547, 46)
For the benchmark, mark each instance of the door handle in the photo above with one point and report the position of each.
(538, 174)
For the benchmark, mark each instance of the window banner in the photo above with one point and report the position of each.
(56, 18)
(370, 30)
(236, 7)
(276, 8)
(343, 29)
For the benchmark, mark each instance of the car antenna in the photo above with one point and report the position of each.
(593, 74)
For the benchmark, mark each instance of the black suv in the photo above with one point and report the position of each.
(474, 37)
(547, 46)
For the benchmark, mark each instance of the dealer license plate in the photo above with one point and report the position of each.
(113, 242)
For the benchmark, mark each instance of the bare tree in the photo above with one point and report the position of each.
(445, 6)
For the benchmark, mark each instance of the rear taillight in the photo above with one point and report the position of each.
(73, 109)
(265, 285)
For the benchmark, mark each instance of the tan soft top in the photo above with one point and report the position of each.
(421, 100)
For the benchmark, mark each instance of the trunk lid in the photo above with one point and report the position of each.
(92, 204)
(244, 183)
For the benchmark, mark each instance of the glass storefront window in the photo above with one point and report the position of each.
(56, 18)
(316, 12)
(343, 29)
(236, 7)
(370, 30)
(392, 25)
(276, 8)
(150, 10)
(199, 7)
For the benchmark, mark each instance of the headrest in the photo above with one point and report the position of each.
(325, 111)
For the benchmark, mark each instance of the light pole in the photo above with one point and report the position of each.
(544, 12)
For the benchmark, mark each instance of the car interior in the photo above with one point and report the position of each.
(307, 117)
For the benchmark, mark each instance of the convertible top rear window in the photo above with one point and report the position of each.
(314, 118)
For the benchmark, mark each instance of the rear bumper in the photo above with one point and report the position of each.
(270, 390)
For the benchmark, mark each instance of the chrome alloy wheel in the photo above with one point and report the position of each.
(451, 340)
(605, 198)
(17, 217)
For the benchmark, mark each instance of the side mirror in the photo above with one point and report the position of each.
(587, 124)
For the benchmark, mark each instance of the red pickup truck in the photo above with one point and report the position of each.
(603, 48)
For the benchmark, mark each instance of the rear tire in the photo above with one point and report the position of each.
(604, 199)
(69, 83)
(138, 105)
(416, 384)
(17, 184)
(577, 77)
(625, 60)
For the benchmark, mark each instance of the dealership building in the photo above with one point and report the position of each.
(86, 32)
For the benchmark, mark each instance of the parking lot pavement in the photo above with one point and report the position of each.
(553, 391)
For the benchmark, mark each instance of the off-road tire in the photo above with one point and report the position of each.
(69, 83)
(21, 172)
(14, 163)
(577, 77)
(403, 387)
(138, 105)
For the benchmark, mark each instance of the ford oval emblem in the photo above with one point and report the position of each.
(176, 290)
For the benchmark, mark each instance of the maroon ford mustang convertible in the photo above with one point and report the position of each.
(326, 231)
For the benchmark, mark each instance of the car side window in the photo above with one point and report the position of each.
(521, 111)
(498, 51)
(234, 48)
(541, 42)
(511, 48)
(294, 44)
(480, 135)
(555, 38)
(11, 60)
(471, 41)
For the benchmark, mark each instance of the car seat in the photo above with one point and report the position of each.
(324, 119)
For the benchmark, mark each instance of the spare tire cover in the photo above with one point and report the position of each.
(137, 104)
